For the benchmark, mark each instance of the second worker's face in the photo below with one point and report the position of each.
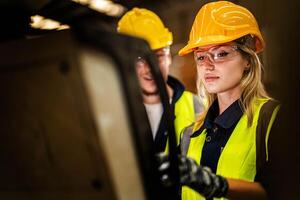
(146, 80)
(144, 74)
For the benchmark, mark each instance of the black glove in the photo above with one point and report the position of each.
(200, 179)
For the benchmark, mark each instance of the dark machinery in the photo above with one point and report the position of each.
(73, 125)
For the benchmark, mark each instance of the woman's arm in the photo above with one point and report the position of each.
(208, 184)
(244, 190)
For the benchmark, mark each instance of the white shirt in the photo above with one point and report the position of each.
(154, 112)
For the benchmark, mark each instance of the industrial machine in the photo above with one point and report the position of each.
(73, 125)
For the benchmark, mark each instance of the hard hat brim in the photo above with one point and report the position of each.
(190, 47)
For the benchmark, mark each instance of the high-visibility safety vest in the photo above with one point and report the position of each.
(184, 106)
(244, 150)
(185, 111)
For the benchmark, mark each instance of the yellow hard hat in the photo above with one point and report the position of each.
(221, 22)
(145, 24)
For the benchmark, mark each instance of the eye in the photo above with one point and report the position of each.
(200, 57)
(160, 55)
(222, 54)
(140, 62)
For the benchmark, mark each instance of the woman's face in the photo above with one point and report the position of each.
(221, 68)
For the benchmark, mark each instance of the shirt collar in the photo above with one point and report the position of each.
(227, 119)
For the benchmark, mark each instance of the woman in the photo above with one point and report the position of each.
(231, 136)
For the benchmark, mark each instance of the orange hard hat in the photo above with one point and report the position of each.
(221, 22)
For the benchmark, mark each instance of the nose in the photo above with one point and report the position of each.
(209, 66)
(208, 62)
(209, 58)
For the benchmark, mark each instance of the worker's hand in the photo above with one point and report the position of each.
(199, 178)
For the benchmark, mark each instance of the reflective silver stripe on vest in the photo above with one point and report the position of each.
(188, 131)
(198, 106)
(185, 139)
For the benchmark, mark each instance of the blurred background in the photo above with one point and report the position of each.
(50, 93)
(278, 22)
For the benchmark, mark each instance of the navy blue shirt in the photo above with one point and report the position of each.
(219, 129)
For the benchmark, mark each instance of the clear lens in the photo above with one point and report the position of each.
(140, 62)
(216, 54)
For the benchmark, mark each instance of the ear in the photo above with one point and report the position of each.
(247, 67)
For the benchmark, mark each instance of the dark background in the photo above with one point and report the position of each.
(279, 23)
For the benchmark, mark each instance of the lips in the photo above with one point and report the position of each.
(148, 78)
(211, 78)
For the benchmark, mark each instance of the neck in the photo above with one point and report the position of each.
(155, 98)
(151, 99)
(226, 99)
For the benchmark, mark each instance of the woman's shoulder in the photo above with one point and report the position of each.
(267, 112)
(266, 101)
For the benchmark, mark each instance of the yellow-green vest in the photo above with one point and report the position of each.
(186, 109)
(238, 158)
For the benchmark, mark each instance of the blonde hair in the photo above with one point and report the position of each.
(251, 84)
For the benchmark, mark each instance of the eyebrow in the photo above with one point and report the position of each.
(202, 50)
(213, 47)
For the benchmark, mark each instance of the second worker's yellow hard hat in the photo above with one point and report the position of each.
(145, 24)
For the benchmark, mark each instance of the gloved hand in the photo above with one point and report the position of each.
(199, 178)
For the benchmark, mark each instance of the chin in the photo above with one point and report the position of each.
(149, 91)
(212, 90)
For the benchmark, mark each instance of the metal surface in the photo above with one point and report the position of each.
(55, 142)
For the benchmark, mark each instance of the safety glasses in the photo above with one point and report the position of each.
(215, 55)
